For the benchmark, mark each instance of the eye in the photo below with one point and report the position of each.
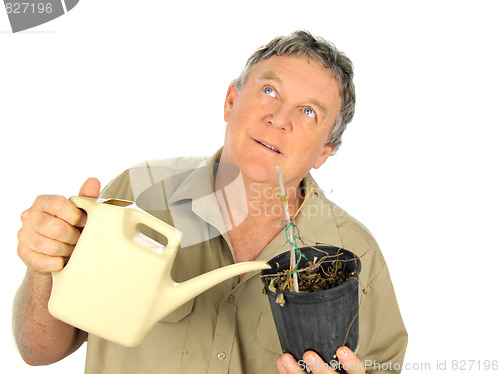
(269, 91)
(308, 111)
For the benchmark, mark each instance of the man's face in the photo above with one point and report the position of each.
(282, 116)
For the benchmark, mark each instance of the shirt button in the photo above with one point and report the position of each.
(231, 298)
(221, 355)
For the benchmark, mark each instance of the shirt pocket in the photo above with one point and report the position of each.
(266, 332)
(180, 313)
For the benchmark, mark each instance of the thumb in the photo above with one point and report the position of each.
(91, 188)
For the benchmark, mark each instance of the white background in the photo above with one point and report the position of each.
(114, 82)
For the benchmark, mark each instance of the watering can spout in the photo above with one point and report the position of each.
(176, 294)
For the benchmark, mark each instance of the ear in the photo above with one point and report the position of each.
(326, 152)
(231, 95)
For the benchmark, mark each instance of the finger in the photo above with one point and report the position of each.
(350, 361)
(40, 253)
(316, 364)
(40, 263)
(286, 364)
(55, 228)
(32, 240)
(91, 188)
(57, 206)
(281, 368)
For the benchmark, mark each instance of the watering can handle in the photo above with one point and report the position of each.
(83, 202)
(135, 216)
(172, 234)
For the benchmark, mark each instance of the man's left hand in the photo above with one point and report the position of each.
(350, 363)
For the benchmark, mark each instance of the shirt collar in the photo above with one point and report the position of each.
(197, 193)
(199, 182)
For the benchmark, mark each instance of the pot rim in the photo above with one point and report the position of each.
(294, 295)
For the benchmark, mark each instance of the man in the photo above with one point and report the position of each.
(288, 108)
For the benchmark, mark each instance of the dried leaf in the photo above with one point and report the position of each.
(280, 299)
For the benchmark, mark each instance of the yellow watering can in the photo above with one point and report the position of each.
(117, 283)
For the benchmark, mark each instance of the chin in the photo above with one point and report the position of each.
(260, 174)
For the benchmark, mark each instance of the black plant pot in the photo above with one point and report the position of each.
(318, 321)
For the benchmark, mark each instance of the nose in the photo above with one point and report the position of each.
(280, 117)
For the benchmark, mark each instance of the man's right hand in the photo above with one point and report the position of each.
(51, 228)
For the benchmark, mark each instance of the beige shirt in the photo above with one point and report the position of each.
(230, 328)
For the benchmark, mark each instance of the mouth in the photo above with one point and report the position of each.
(269, 146)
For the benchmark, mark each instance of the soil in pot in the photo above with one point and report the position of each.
(323, 316)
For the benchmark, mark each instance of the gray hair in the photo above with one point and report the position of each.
(302, 43)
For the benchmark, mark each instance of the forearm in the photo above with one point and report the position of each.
(41, 338)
